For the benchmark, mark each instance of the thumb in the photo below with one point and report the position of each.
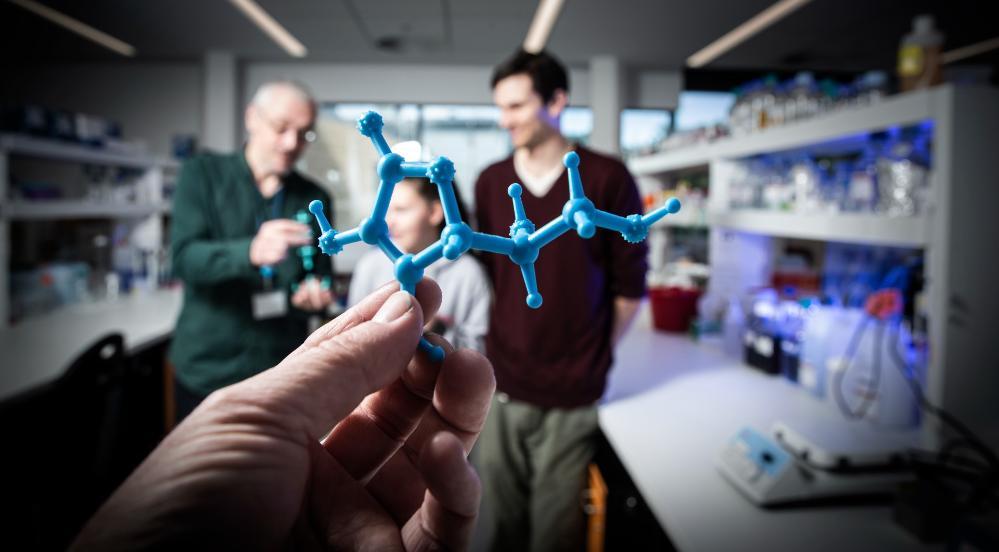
(323, 383)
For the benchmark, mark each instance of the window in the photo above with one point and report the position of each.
(643, 129)
(577, 124)
(701, 109)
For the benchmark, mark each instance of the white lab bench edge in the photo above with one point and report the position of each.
(672, 404)
(40, 349)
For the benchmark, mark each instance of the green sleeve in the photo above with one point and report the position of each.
(197, 257)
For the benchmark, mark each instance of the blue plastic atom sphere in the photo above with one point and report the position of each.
(522, 246)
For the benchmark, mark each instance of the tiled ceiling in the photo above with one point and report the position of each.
(833, 35)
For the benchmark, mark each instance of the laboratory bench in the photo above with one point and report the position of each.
(39, 349)
(672, 404)
(82, 403)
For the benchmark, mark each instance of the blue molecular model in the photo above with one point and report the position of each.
(522, 246)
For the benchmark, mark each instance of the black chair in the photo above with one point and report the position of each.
(60, 444)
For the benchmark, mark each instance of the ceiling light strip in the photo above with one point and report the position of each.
(971, 50)
(271, 28)
(542, 24)
(743, 32)
(78, 27)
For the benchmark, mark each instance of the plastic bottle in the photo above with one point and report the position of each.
(123, 260)
(772, 184)
(739, 186)
(790, 330)
(766, 97)
(806, 180)
(861, 195)
(919, 55)
(773, 103)
(846, 96)
(903, 175)
(733, 327)
(839, 324)
(835, 188)
(802, 98)
(895, 406)
(761, 337)
(755, 100)
(812, 351)
(871, 87)
(734, 124)
(740, 110)
(739, 116)
(759, 174)
(874, 385)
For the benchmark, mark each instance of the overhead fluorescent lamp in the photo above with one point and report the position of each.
(78, 27)
(743, 32)
(972, 50)
(271, 27)
(541, 27)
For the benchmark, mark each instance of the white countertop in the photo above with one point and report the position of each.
(39, 349)
(671, 406)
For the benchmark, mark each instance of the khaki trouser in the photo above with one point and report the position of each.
(532, 462)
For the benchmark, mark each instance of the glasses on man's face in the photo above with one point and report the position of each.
(281, 127)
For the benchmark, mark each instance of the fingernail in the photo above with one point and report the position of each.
(398, 304)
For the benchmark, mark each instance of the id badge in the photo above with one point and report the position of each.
(270, 304)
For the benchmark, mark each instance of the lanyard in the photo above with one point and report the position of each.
(277, 206)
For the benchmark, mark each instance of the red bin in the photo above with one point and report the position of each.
(673, 307)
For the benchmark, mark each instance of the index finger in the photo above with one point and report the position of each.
(296, 235)
(317, 387)
(427, 293)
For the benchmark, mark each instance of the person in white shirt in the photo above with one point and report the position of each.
(415, 220)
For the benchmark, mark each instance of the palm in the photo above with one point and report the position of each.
(249, 469)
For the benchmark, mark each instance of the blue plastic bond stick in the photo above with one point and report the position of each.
(523, 245)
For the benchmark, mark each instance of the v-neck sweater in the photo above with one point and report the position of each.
(558, 355)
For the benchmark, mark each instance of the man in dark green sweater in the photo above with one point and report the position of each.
(247, 294)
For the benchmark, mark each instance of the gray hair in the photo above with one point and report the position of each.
(267, 90)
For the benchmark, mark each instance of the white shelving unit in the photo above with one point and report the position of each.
(31, 146)
(154, 171)
(61, 209)
(956, 232)
(835, 127)
(688, 218)
(847, 227)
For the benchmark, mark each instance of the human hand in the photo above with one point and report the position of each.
(270, 245)
(251, 468)
(310, 295)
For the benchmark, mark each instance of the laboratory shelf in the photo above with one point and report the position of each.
(47, 156)
(845, 227)
(74, 209)
(836, 126)
(30, 146)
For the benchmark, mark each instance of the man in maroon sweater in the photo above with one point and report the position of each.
(551, 363)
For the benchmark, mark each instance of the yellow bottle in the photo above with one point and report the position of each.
(919, 55)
